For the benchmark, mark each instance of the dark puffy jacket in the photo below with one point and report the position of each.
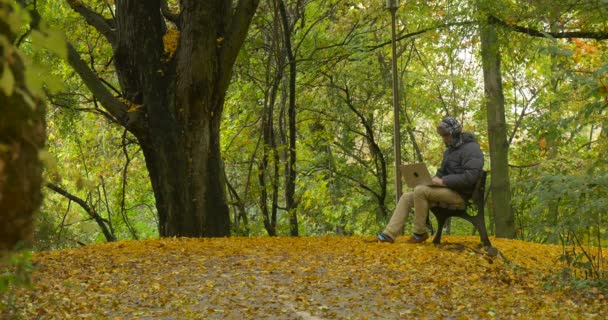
(462, 165)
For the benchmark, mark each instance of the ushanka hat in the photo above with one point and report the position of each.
(449, 125)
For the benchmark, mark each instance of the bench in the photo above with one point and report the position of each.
(442, 212)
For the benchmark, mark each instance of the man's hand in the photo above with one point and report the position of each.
(437, 181)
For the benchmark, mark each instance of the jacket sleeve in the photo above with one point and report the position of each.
(441, 171)
(472, 164)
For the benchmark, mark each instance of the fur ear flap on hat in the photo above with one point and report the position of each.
(451, 125)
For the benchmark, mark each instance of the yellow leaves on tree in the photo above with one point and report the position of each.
(583, 46)
(303, 278)
(587, 54)
(132, 106)
(170, 42)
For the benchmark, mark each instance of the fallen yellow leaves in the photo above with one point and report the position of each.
(302, 278)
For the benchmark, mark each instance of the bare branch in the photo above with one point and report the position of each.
(123, 197)
(101, 222)
(91, 110)
(525, 165)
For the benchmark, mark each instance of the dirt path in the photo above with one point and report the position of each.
(301, 278)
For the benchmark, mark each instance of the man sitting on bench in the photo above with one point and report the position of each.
(461, 166)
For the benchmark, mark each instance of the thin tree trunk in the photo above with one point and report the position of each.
(270, 222)
(290, 178)
(410, 133)
(269, 150)
(497, 132)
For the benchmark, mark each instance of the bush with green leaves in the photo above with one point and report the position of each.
(570, 210)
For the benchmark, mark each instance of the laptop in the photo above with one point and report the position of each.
(416, 174)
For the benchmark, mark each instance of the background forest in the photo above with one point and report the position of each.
(306, 128)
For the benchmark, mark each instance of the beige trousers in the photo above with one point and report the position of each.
(419, 199)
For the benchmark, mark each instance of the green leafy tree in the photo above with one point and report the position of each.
(172, 69)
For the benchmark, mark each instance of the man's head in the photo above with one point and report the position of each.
(449, 129)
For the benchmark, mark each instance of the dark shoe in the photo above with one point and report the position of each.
(418, 238)
(383, 237)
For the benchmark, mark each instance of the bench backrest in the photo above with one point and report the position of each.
(479, 192)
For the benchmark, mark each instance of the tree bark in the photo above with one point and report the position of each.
(174, 101)
(22, 137)
(497, 132)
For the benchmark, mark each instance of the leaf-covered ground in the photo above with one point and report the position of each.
(303, 278)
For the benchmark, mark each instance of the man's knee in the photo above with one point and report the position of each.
(406, 196)
(421, 190)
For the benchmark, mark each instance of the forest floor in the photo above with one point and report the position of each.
(304, 278)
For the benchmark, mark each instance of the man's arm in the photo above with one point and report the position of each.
(437, 181)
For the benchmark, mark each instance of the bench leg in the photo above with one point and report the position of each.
(440, 223)
(429, 225)
(483, 233)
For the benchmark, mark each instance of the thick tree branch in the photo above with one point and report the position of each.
(421, 31)
(105, 26)
(114, 106)
(237, 32)
(543, 34)
(99, 90)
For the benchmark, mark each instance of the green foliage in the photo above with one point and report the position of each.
(15, 274)
(555, 93)
(45, 39)
(86, 154)
(569, 209)
(78, 141)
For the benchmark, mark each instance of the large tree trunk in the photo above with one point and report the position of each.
(497, 133)
(174, 98)
(22, 136)
(188, 185)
